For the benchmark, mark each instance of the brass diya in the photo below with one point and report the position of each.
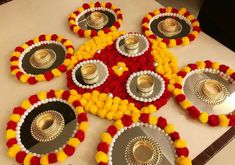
(90, 73)
(145, 84)
(212, 89)
(97, 20)
(131, 44)
(43, 58)
(169, 27)
(143, 150)
(47, 126)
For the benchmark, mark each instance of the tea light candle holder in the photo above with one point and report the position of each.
(212, 88)
(43, 58)
(89, 73)
(97, 20)
(131, 43)
(145, 84)
(170, 27)
(47, 126)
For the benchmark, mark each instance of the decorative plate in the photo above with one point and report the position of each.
(173, 26)
(46, 128)
(41, 59)
(205, 90)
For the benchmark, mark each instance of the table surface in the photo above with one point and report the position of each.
(22, 20)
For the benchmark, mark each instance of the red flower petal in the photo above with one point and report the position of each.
(191, 37)
(54, 37)
(97, 4)
(81, 32)
(192, 66)
(166, 40)
(19, 49)
(62, 68)
(182, 74)
(108, 5)
(93, 33)
(42, 37)
(231, 120)
(179, 41)
(65, 95)
(145, 20)
(162, 10)
(76, 103)
(86, 6)
(30, 42)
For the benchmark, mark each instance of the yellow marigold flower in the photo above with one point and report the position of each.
(61, 156)
(101, 157)
(26, 104)
(119, 68)
(223, 120)
(27, 159)
(215, 65)
(203, 117)
(44, 160)
(106, 137)
(13, 150)
(180, 143)
(169, 128)
(183, 161)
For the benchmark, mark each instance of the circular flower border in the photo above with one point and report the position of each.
(97, 5)
(15, 149)
(173, 11)
(105, 146)
(17, 55)
(204, 117)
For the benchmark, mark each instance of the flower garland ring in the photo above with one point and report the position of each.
(19, 143)
(23, 68)
(214, 115)
(102, 74)
(189, 24)
(108, 138)
(77, 19)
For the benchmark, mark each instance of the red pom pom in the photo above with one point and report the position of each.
(196, 28)
(144, 28)
(108, 5)
(103, 147)
(145, 20)
(93, 33)
(161, 122)
(126, 120)
(80, 135)
(30, 42)
(102, 163)
(177, 85)
(153, 36)
(52, 158)
(186, 14)
(68, 55)
(20, 157)
(14, 67)
(192, 66)
(42, 37)
(166, 40)
(174, 10)
(112, 130)
(233, 76)
(182, 74)
(81, 32)
(152, 14)
(213, 120)
(182, 152)
(33, 99)
(32, 80)
(208, 64)
(231, 120)
(54, 37)
(223, 68)
(51, 94)
(35, 160)
(11, 125)
(116, 24)
(76, 103)
(179, 41)
(72, 27)
(162, 10)
(11, 142)
(19, 74)
(174, 136)
(19, 110)
(62, 68)
(14, 58)
(69, 150)
(65, 95)
(144, 117)
(97, 4)
(119, 16)
(180, 97)
(19, 49)
(191, 37)
(194, 112)
(82, 117)
(106, 30)
(86, 6)
(48, 75)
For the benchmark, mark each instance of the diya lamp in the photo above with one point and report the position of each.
(131, 44)
(90, 73)
(212, 89)
(145, 84)
(170, 27)
(97, 20)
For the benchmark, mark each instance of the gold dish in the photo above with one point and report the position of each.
(169, 27)
(145, 84)
(47, 126)
(43, 58)
(131, 42)
(89, 73)
(97, 20)
(212, 88)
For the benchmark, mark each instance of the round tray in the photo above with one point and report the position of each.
(77, 19)
(20, 140)
(22, 68)
(190, 26)
(197, 104)
(117, 137)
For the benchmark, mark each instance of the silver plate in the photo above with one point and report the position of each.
(226, 107)
(118, 153)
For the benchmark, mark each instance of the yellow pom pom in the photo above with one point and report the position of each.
(185, 41)
(119, 124)
(171, 87)
(93, 109)
(58, 93)
(203, 117)
(44, 160)
(153, 120)
(201, 64)
(215, 65)
(110, 115)
(180, 143)
(61, 156)
(106, 137)
(27, 159)
(177, 92)
(40, 77)
(196, 23)
(230, 71)
(101, 157)
(15, 63)
(148, 32)
(48, 37)
(169, 128)
(43, 95)
(172, 43)
(118, 115)
(26, 104)
(13, 150)
(79, 109)
(182, 11)
(86, 95)
(15, 117)
(152, 108)
(168, 9)
(56, 72)
(74, 142)
(187, 69)
(116, 100)
(80, 9)
(17, 54)
(223, 120)
(36, 40)
(183, 161)
(84, 126)
(24, 46)
(113, 28)
(87, 33)
(190, 17)
(10, 134)
(24, 78)
(186, 104)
